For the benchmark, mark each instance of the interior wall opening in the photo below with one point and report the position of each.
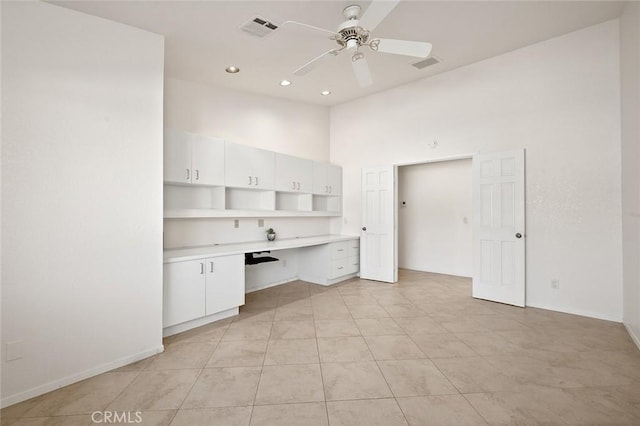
(435, 206)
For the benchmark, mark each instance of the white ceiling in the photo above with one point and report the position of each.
(202, 38)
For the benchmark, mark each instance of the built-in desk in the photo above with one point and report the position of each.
(206, 284)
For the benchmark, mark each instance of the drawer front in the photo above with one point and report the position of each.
(353, 248)
(338, 250)
(353, 264)
(338, 268)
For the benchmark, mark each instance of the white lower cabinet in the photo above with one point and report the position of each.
(197, 288)
(184, 292)
(330, 263)
(225, 283)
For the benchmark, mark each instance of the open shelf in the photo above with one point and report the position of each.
(203, 213)
(327, 204)
(199, 201)
(250, 199)
(194, 197)
(294, 201)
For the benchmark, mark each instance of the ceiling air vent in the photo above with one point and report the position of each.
(426, 62)
(259, 27)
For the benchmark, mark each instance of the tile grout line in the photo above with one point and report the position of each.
(324, 393)
(264, 357)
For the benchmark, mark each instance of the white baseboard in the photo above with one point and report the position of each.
(179, 328)
(633, 335)
(577, 312)
(74, 378)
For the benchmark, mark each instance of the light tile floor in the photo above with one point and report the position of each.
(420, 352)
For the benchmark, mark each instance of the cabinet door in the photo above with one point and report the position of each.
(293, 174)
(184, 292)
(320, 182)
(207, 160)
(225, 283)
(177, 156)
(334, 179)
(248, 167)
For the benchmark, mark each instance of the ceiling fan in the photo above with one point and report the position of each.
(355, 33)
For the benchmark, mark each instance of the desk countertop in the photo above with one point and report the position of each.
(193, 253)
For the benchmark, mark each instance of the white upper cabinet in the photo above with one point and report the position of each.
(207, 160)
(327, 179)
(193, 159)
(248, 167)
(177, 156)
(293, 174)
(334, 179)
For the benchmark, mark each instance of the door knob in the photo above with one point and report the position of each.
(518, 235)
(364, 228)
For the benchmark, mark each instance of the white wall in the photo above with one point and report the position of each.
(559, 99)
(275, 124)
(82, 196)
(630, 79)
(434, 226)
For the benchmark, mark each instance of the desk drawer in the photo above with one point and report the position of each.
(338, 250)
(338, 268)
(353, 264)
(353, 248)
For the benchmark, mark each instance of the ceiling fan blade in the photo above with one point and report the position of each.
(419, 49)
(314, 62)
(327, 32)
(376, 12)
(362, 72)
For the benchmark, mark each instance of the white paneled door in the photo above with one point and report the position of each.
(499, 227)
(378, 238)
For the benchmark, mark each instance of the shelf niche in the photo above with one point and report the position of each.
(328, 204)
(291, 201)
(250, 199)
(194, 197)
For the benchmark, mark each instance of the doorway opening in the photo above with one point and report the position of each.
(435, 207)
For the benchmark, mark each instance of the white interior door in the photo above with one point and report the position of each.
(499, 227)
(378, 238)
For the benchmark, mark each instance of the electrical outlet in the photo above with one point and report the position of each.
(555, 284)
(284, 263)
(260, 223)
(236, 223)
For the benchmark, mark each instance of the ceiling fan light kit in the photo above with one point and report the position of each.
(355, 33)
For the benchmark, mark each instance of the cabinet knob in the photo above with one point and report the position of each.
(188, 174)
(257, 182)
(294, 185)
(211, 269)
(197, 174)
(364, 228)
(250, 180)
(201, 268)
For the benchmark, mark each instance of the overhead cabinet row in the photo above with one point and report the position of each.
(200, 160)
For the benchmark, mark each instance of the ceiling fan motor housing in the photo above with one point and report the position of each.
(351, 35)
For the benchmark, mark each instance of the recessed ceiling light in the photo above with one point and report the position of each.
(232, 69)
(325, 93)
(285, 83)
